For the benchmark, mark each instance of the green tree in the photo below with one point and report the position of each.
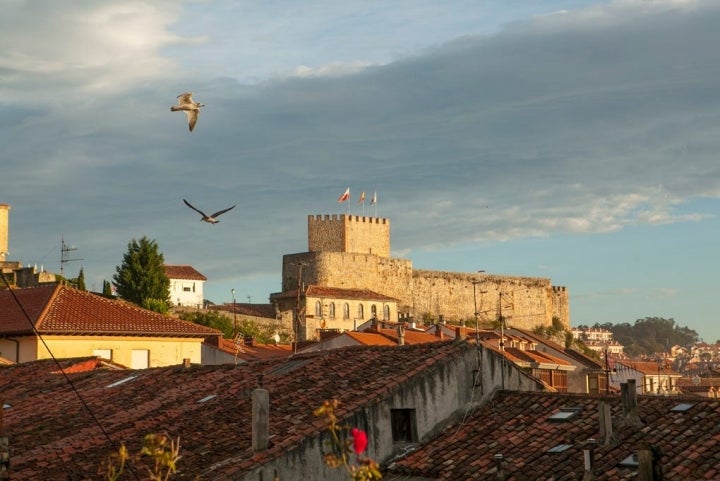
(141, 275)
(210, 319)
(81, 280)
(107, 288)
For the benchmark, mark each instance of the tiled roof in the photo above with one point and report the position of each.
(54, 437)
(335, 293)
(370, 339)
(411, 337)
(183, 272)
(58, 309)
(245, 309)
(515, 425)
(255, 352)
(646, 367)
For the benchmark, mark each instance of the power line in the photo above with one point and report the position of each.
(67, 378)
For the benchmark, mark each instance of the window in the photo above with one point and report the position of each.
(331, 310)
(361, 312)
(386, 312)
(139, 359)
(103, 353)
(346, 311)
(318, 309)
(373, 310)
(186, 289)
(403, 425)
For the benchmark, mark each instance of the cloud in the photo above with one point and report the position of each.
(84, 47)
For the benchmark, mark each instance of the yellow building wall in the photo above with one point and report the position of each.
(163, 351)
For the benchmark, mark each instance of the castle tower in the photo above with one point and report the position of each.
(4, 230)
(349, 234)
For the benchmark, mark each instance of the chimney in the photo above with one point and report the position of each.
(628, 394)
(589, 461)
(401, 336)
(186, 362)
(438, 331)
(260, 417)
(606, 431)
(500, 474)
(459, 334)
(649, 468)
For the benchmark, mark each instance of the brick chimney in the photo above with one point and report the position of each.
(260, 417)
(606, 430)
(459, 334)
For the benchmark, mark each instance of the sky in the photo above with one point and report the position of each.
(570, 140)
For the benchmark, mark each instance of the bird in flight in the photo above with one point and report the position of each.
(211, 219)
(189, 106)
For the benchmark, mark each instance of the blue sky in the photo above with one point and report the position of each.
(573, 140)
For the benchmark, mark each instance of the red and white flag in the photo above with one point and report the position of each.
(373, 201)
(345, 196)
(362, 198)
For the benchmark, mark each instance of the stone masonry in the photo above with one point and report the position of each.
(353, 252)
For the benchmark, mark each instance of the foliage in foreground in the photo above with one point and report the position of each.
(158, 457)
(344, 441)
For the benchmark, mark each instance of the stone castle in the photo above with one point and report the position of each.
(353, 253)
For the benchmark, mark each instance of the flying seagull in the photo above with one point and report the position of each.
(208, 218)
(190, 107)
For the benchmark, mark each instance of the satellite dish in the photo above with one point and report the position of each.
(277, 338)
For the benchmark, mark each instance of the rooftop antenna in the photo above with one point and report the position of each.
(64, 250)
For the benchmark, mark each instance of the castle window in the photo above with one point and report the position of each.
(386, 312)
(331, 312)
(318, 309)
(373, 310)
(346, 311)
(361, 312)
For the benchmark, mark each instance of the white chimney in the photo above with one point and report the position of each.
(260, 417)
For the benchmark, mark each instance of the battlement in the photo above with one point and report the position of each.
(347, 218)
(349, 233)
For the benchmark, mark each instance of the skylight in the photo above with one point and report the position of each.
(565, 414)
(207, 398)
(7, 406)
(682, 407)
(630, 462)
(121, 381)
(559, 448)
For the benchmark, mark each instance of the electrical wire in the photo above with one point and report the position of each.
(113, 445)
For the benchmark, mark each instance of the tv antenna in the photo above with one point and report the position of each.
(64, 252)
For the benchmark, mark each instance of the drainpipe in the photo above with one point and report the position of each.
(260, 417)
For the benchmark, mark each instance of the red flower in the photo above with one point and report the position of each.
(359, 440)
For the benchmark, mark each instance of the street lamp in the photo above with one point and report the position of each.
(235, 327)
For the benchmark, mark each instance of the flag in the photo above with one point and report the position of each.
(373, 201)
(345, 196)
(362, 198)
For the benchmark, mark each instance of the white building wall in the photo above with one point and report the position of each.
(187, 292)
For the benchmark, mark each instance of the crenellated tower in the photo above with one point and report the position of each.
(349, 233)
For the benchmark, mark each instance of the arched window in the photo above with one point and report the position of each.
(346, 311)
(361, 312)
(373, 311)
(386, 312)
(331, 311)
(318, 309)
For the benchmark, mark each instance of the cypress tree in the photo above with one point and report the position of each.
(141, 276)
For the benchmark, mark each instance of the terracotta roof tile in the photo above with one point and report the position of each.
(183, 272)
(47, 420)
(58, 309)
(515, 425)
(335, 293)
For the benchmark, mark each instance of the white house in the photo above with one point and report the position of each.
(186, 285)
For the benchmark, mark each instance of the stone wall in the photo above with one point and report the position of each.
(349, 233)
(384, 275)
(524, 302)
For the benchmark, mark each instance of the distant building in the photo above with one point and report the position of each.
(352, 253)
(599, 340)
(186, 285)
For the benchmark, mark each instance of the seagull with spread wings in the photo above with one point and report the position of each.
(210, 219)
(189, 106)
